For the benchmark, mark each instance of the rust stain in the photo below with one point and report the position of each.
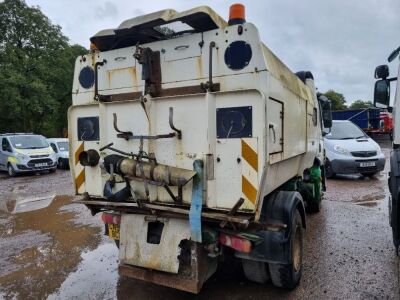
(199, 67)
(249, 190)
(249, 155)
(78, 152)
(132, 72)
(80, 179)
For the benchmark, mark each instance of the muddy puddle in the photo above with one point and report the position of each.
(42, 246)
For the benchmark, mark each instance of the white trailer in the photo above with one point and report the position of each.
(196, 141)
(382, 100)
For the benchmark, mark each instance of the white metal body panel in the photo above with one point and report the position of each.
(134, 248)
(263, 78)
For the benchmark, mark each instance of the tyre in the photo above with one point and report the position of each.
(328, 170)
(288, 275)
(313, 207)
(256, 271)
(366, 174)
(60, 164)
(11, 171)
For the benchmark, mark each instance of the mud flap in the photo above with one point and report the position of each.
(276, 246)
(394, 187)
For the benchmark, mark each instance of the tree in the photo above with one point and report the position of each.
(36, 67)
(338, 101)
(361, 104)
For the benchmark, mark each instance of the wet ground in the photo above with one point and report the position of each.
(55, 249)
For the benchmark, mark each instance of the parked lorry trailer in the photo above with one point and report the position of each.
(196, 142)
(371, 120)
(382, 100)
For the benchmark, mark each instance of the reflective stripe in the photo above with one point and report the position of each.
(249, 169)
(250, 155)
(249, 190)
(79, 170)
(78, 152)
(80, 179)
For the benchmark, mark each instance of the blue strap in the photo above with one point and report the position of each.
(197, 202)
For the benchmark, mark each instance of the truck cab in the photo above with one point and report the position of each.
(382, 99)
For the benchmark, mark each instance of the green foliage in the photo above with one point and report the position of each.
(338, 101)
(361, 104)
(36, 71)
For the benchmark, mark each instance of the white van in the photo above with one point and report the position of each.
(26, 152)
(60, 147)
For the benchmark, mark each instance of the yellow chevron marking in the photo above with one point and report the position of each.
(249, 190)
(80, 179)
(78, 152)
(250, 155)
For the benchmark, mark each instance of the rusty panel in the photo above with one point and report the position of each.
(192, 274)
(164, 279)
(135, 250)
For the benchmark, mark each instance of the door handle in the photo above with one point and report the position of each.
(271, 126)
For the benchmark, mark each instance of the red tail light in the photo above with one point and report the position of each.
(111, 218)
(235, 242)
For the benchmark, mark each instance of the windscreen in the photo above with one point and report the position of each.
(345, 131)
(63, 146)
(29, 142)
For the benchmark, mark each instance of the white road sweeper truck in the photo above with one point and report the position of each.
(195, 142)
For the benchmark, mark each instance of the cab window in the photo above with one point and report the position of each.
(5, 145)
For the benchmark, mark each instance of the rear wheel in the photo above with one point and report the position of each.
(11, 171)
(256, 271)
(314, 206)
(288, 275)
(60, 163)
(328, 170)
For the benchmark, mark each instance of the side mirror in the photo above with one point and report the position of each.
(382, 93)
(381, 72)
(326, 111)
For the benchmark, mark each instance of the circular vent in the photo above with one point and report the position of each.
(86, 77)
(238, 55)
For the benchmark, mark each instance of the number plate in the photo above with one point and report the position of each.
(113, 231)
(41, 165)
(367, 164)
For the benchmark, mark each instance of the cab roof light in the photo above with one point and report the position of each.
(237, 14)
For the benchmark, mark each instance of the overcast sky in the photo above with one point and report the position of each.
(340, 41)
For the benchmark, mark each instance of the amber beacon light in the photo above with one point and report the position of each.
(236, 14)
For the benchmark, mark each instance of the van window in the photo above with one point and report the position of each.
(345, 131)
(29, 142)
(63, 146)
(5, 145)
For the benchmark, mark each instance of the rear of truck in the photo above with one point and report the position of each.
(173, 131)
